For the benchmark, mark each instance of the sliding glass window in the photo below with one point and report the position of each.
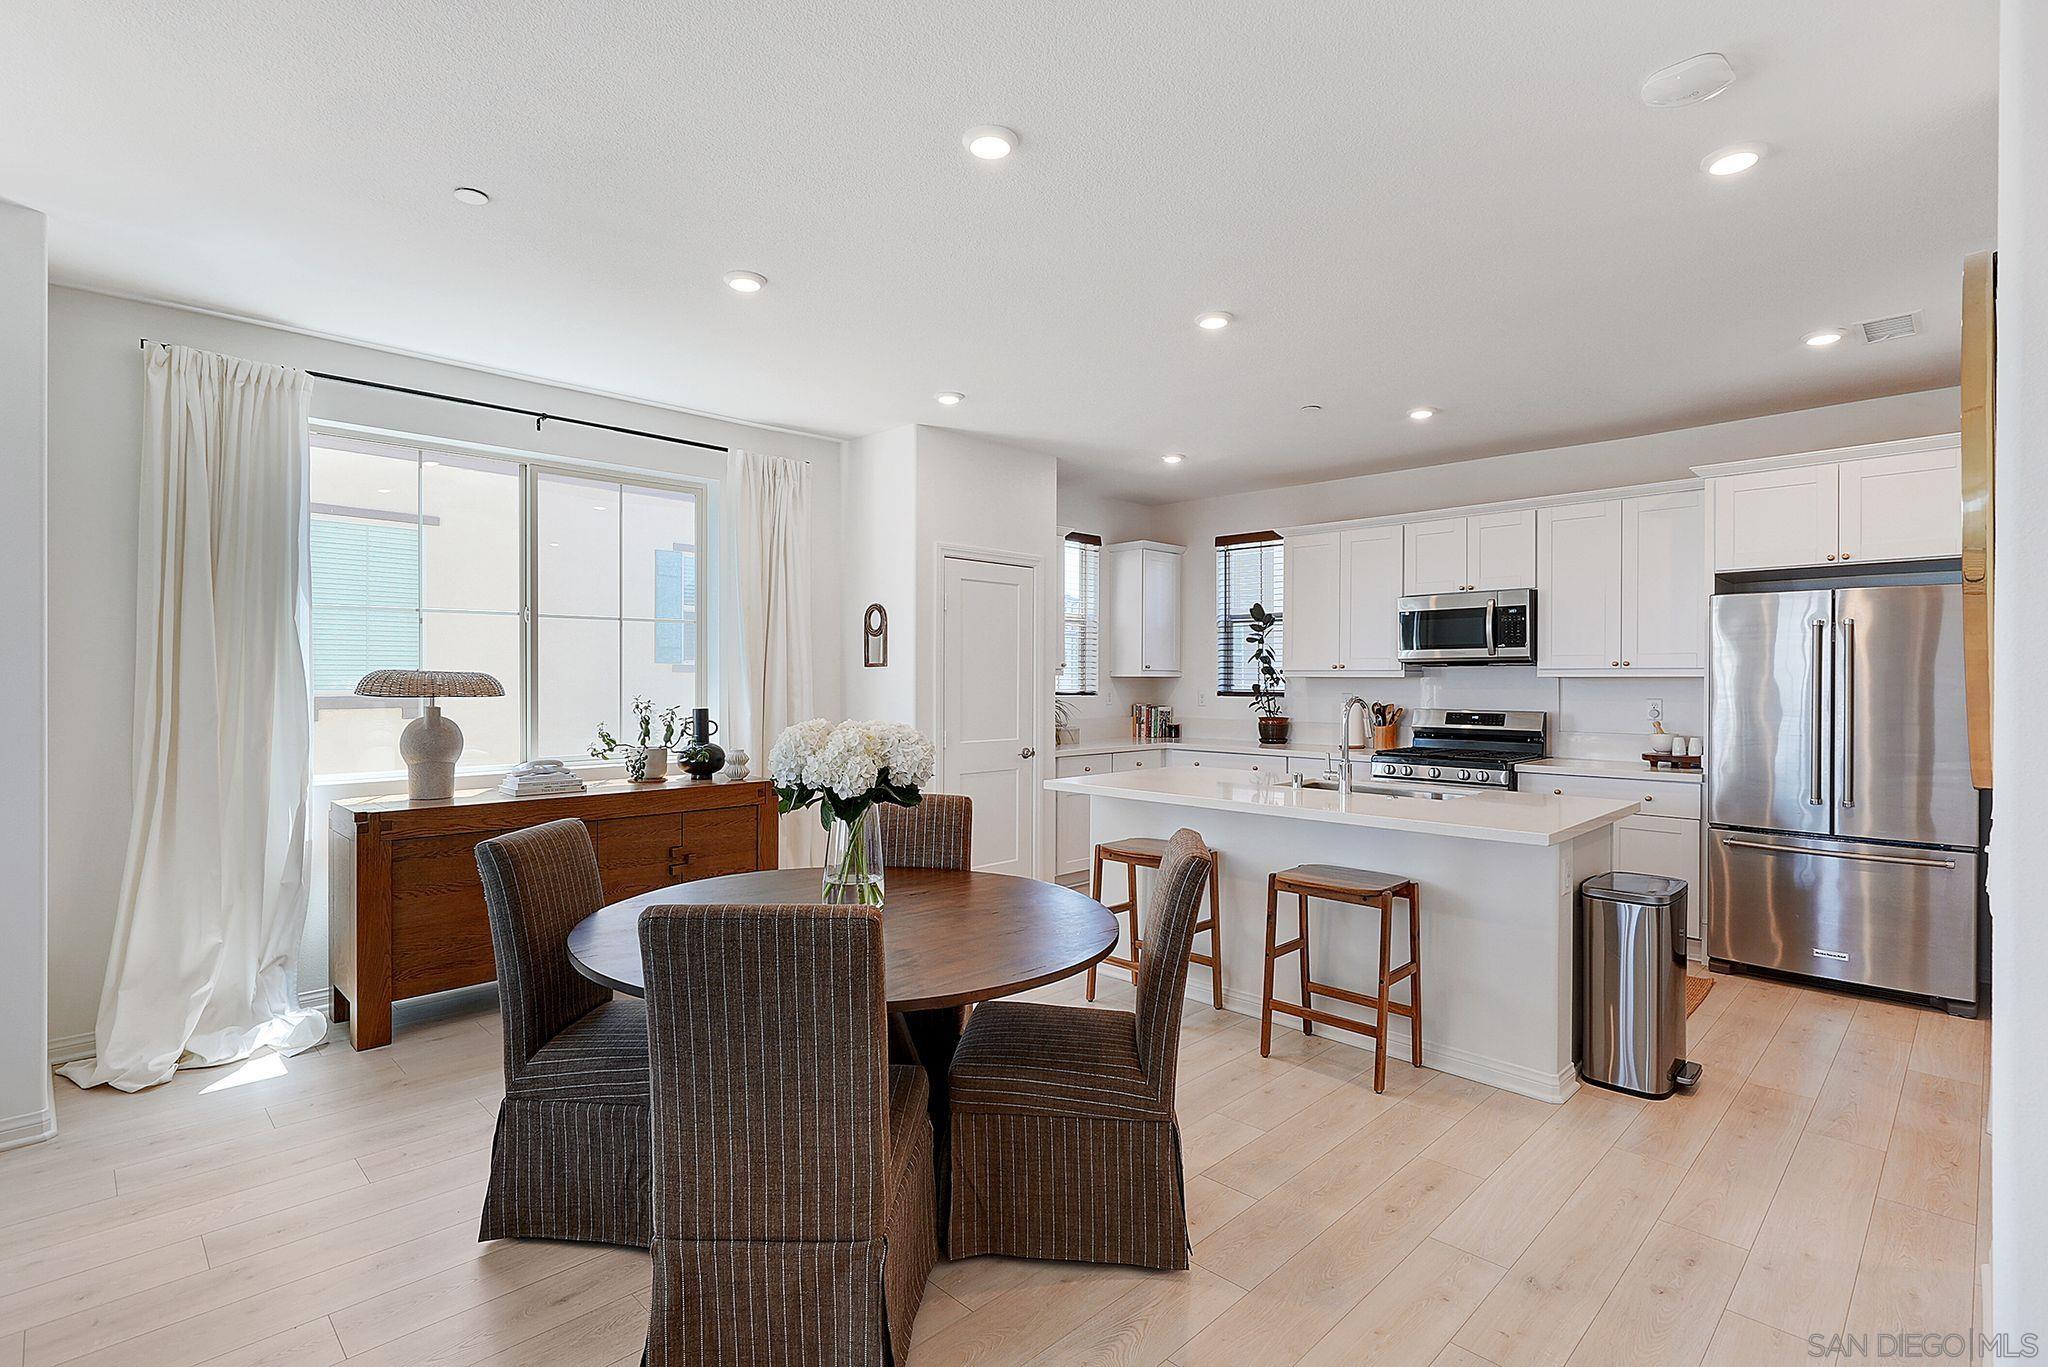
(577, 593)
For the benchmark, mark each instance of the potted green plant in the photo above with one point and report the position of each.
(645, 762)
(1269, 688)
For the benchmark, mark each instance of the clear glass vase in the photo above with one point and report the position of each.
(853, 861)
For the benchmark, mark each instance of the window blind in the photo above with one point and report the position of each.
(1080, 671)
(1250, 568)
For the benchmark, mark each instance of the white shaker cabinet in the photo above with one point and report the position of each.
(1482, 551)
(1622, 586)
(1369, 591)
(1434, 556)
(1501, 550)
(1343, 601)
(1143, 626)
(1774, 519)
(1906, 507)
(1670, 848)
(1313, 640)
(1578, 588)
(1664, 587)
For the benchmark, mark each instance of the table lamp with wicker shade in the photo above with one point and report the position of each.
(432, 743)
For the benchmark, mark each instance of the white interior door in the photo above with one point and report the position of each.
(990, 689)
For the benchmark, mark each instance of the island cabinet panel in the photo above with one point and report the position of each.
(405, 900)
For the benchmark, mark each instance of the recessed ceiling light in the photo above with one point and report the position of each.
(1215, 321)
(469, 194)
(1824, 338)
(990, 141)
(1311, 408)
(1421, 414)
(383, 491)
(745, 282)
(949, 397)
(1732, 161)
(1173, 458)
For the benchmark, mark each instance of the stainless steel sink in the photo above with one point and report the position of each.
(1330, 785)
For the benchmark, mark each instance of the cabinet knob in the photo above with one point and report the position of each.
(1847, 556)
(1648, 798)
(1628, 664)
(1614, 664)
(1557, 792)
(1831, 555)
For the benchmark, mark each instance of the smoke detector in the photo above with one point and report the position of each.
(1892, 328)
(1692, 81)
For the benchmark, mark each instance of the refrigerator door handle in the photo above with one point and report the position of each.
(1852, 857)
(1814, 758)
(1848, 711)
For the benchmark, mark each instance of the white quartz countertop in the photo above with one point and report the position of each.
(1519, 818)
(1610, 768)
(1201, 746)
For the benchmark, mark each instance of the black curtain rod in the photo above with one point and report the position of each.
(538, 417)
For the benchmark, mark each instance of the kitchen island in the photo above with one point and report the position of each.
(1498, 873)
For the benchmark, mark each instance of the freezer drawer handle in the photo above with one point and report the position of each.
(1835, 954)
(1842, 854)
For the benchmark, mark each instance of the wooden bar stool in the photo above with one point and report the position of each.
(1363, 888)
(1145, 852)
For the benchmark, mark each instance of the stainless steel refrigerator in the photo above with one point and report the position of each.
(1844, 836)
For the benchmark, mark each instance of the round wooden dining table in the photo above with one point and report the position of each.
(949, 938)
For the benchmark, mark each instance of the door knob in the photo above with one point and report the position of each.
(1026, 753)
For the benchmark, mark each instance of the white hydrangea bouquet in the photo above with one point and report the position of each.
(846, 771)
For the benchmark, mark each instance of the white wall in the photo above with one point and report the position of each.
(95, 434)
(878, 521)
(25, 1113)
(1587, 716)
(2019, 960)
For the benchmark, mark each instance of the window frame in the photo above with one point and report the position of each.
(1239, 541)
(531, 466)
(1088, 541)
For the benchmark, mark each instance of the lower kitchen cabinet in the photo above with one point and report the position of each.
(1663, 838)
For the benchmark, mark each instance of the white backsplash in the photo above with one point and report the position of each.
(1589, 718)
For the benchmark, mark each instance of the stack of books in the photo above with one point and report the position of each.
(538, 777)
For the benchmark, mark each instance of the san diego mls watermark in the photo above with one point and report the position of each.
(1910, 1345)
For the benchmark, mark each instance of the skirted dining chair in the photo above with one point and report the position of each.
(937, 833)
(1064, 1142)
(794, 1213)
(571, 1157)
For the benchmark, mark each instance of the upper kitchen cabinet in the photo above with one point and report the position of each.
(1895, 501)
(1343, 591)
(1143, 627)
(1622, 586)
(1482, 551)
(1905, 507)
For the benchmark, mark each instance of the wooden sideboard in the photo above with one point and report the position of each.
(406, 906)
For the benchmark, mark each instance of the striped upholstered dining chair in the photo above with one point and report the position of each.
(793, 1185)
(1064, 1142)
(571, 1156)
(938, 833)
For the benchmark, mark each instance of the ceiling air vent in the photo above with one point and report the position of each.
(1892, 328)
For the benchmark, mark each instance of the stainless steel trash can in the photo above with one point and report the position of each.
(1631, 984)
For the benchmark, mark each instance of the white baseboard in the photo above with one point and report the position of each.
(71, 1048)
(30, 1128)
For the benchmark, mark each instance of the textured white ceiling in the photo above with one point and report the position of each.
(1452, 202)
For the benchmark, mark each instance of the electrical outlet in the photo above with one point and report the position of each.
(1656, 709)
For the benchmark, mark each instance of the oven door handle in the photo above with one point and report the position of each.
(1491, 648)
(1849, 855)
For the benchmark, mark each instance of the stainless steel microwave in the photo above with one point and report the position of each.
(1488, 627)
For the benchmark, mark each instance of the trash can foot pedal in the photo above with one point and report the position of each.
(1686, 1075)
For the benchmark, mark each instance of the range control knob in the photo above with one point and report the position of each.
(1435, 772)
(1465, 774)
(1407, 769)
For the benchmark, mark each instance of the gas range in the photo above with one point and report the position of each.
(1474, 749)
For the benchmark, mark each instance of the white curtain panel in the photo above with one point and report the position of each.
(771, 515)
(213, 895)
